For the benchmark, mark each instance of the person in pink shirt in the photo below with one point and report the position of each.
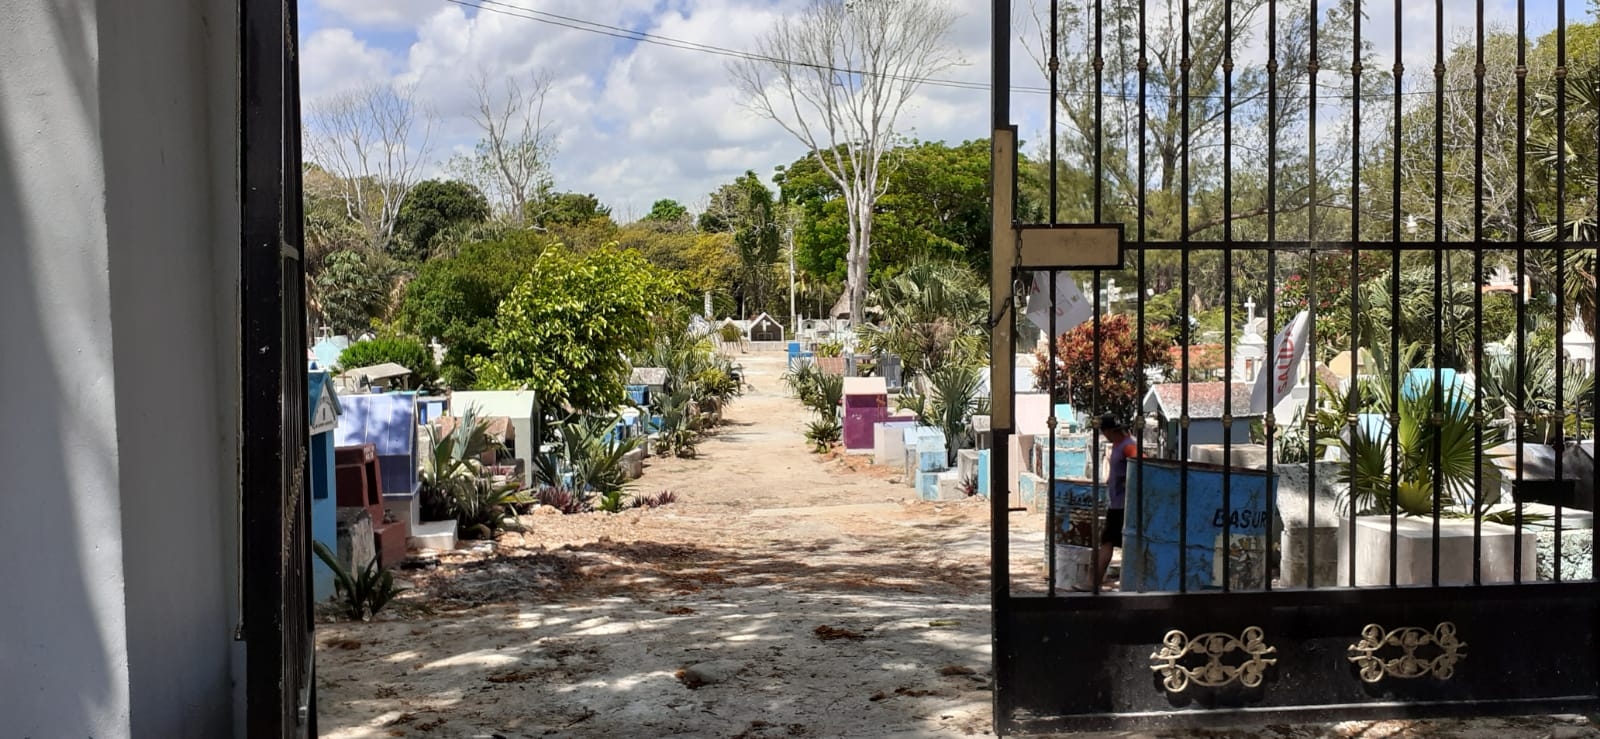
(1123, 448)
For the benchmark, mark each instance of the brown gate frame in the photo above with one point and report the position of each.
(275, 535)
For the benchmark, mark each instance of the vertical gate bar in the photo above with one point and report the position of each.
(1094, 438)
(1311, 293)
(1594, 423)
(1053, 373)
(1561, 258)
(1436, 474)
(1139, 230)
(1477, 302)
(1522, 273)
(1394, 295)
(1183, 231)
(1353, 393)
(294, 353)
(1269, 358)
(1002, 317)
(1227, 294)
(1099, 217)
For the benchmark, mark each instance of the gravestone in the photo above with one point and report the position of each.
(1302, 544)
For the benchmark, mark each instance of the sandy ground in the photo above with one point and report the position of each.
(784, 594)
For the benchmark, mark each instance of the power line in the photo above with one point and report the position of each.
(629, 34)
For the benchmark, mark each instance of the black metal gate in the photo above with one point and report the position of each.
(276, 538)
(1434, 232)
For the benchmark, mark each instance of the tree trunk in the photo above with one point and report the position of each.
(859, 263)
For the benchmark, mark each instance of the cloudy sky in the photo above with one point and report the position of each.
(635, 121)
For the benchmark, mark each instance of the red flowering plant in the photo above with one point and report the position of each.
(1117, 382)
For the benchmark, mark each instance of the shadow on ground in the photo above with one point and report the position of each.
(653, 639)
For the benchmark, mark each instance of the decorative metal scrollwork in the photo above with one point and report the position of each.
(1177, 677)
(1409, 640)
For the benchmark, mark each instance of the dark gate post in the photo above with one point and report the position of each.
(275, 535)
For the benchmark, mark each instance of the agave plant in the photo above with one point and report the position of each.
(1547, 422)
(954, 396)
(594, 460)
(450, 464)
(484, 508)
(365, 592)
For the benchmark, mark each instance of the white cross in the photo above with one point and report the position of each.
(1250, 307)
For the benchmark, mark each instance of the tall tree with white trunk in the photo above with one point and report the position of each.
(511, 163)
(836, 76)
(375, 140)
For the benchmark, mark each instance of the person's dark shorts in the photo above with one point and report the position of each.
(1112, 534)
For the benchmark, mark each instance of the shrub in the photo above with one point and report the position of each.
(665, 497)
(823, 433)
(612, 501)
(402, 350)
(562, 500)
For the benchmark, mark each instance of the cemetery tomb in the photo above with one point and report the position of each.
(888, 442)
(982, 432)
(388, 422)
(356, 470)
(324, 402)
(866, 403)
(652, 379)
(763, 328)
(1031, 411)
(520, 406)
(1413, 551)
(355, 544)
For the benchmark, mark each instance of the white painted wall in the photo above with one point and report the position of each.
(118, 242)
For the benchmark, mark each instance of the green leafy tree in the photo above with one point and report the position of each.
(936, 205)
(352, 290)
(745, 208)
(569, 209)
(699, 262)
(454, 299)
(566, 330)
(669, 215)
(432, 207)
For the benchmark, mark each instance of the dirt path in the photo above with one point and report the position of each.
(581, 626)
(784, 594)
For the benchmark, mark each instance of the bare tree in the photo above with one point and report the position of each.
(369, 139)
(836, 76)
(511, 163)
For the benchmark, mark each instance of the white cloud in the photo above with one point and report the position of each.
(381, 14)
(335, 60)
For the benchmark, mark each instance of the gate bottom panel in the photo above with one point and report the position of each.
(1216, 659)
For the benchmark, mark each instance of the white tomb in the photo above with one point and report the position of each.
(1413, 539)
(1578, 345)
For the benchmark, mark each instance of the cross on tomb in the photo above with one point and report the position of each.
(1250, 310)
